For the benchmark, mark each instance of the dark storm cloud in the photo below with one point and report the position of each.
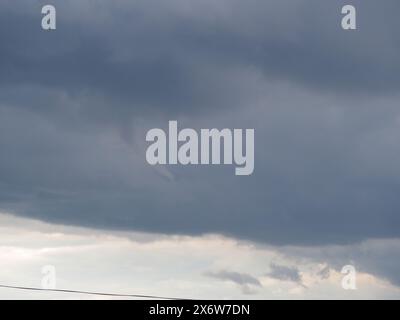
(127, 59)
(185, 57)
(75, 105)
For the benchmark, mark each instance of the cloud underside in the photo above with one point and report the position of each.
(75, 105)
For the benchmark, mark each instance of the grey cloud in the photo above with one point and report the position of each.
(379, 257)
(312, 183)
(186, 57)
(244, 280)
(131, 61)
(284, 273)
(324, 273)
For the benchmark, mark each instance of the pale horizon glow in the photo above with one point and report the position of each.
(210, 266)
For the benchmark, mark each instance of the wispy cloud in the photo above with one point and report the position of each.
(284, 273)
(246, 281)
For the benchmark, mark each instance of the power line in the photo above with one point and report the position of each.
(90, 292)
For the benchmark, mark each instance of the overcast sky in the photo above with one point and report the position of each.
(76, 103)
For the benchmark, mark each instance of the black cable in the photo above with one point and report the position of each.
(90, 292)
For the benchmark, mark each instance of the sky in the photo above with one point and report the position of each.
(76, 191)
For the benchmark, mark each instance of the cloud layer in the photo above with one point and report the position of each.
(75, 105)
